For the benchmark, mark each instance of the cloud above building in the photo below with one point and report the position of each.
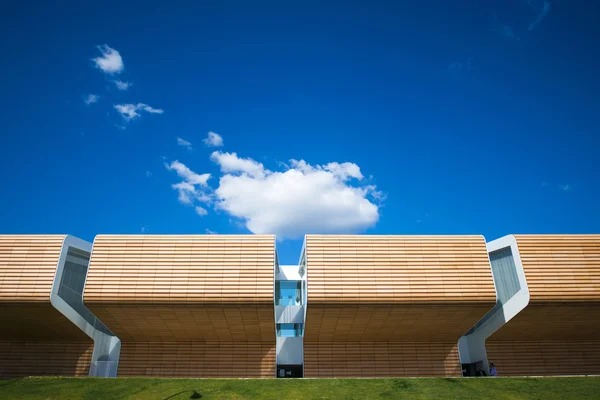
(299, 198)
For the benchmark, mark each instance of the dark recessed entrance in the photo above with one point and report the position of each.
(289, 371)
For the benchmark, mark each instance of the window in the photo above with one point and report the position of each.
(289, 330)
(505, 274)
(288, 293)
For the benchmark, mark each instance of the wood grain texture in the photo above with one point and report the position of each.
(165, 294)
(558, 332)
(365, 269)
(561, 268)
(390, 323)
(410, 297)
(35, 338)
(50, 358)
(380, 359)
(198, 359)
(188, 269)
(27, 267)
(557, 357)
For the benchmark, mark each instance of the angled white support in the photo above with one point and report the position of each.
(471, 346)
(107, 347)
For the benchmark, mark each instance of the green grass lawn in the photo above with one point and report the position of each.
(400, 388)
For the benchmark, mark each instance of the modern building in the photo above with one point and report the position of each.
(45, 328)
(355, 305)
(547, 317)
(187, 306)
(392, 305)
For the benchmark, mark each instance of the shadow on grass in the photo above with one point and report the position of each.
(195, 395)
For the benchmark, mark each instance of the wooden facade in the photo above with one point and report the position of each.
(187, 305)
(557, 333)
(35, 338)
(392, 305)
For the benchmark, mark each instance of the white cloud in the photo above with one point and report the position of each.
(149, 109)
(110, 62)
(231, 163)
(193, 188)
(209, 232)
(187, 174)
(213, 140)
(184, 143)
(201, 211)
(344, 171)
(301, 198)
(130, 111)
(566, 187)
(90, 99)
(144, 229)
(121, 85)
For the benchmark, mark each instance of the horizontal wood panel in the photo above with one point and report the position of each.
(36, 322)
(561, 268)
(27, 266)
(193, 269)
(198, 359)
(380, 359)
(559, 357)
(189, 323)
(366, 269)
(19, 359)
(553, 321)
(390, 322)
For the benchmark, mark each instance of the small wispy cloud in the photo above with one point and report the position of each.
(121, 85)
(110, 62)
(541, 14)
(213, 140)
(194, 186)
(201, 211)
(144, 229)
(148, 174)
(209, 232)
(184, 143)
(564, 187)
(130, 111)
(90, 99)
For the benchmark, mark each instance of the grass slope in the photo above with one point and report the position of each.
(425, 388)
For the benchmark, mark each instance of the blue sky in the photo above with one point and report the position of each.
(479, 117)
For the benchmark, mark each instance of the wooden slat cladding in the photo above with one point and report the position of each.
(553, 321)
(37, 322)
(390, 323)
(220, 269)
(563, 276)
(189, 322)
(559, 357)
(392, 305)
(35, 338)
(27, 266)
(557, 333)
(198, 359)
(561, 268)
(380, 359)
(187, 306)
(54, 358)
(398, 269)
